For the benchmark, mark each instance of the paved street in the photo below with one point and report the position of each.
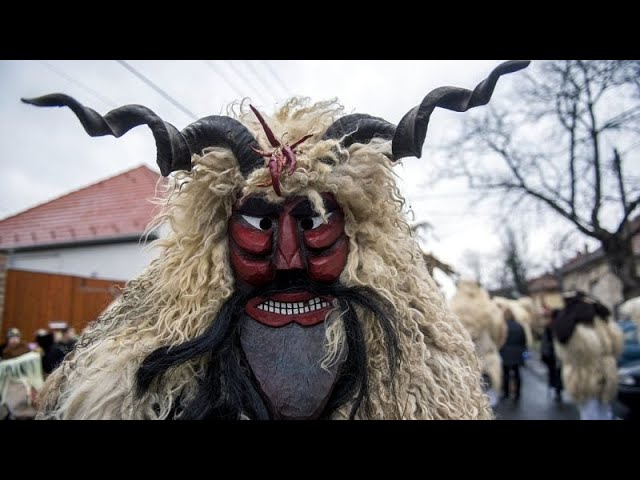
(536, 401)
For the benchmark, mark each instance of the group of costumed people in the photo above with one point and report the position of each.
(289, 285)
(501, 332)
(586, 343)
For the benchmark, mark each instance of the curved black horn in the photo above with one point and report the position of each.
(174, 148)
(359, 128)
(216, 130)
(412, 129)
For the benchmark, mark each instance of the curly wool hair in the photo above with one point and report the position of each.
(484, 321)
(178, 295)
(589, 367)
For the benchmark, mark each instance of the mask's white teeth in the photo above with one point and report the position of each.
(293, 308)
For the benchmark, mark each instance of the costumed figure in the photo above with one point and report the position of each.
(537, 320)
(289, 286)
(587, 343)
(483, 320)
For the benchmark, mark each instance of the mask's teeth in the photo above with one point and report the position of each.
(293, 308)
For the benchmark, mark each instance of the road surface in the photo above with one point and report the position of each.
(536, 400)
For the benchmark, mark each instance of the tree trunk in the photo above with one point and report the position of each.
(621, 259)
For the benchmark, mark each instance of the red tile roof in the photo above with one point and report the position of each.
(113, 208)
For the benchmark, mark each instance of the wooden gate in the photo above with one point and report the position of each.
(33, 299)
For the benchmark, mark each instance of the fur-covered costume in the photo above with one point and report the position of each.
(536, 319)
(587, 343)
(483, 320)
(187, 337)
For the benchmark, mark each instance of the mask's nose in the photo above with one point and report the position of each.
(288, 256)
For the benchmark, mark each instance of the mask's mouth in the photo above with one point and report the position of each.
(304, 308)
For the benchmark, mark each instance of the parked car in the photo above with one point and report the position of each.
(627, 404)
(631, 349)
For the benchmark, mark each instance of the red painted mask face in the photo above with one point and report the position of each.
(272, 244)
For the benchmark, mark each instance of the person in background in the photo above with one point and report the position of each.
(512, 353)
(548, 357)
(45, 342)
(15, 346)
(60, 349)
(20, 378)
(69, 339)
(57, 328)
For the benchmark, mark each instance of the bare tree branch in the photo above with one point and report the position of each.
(593, 131)
(620, 119)
(631, 207)
(572, 160)
(617, 167)
(550, 150)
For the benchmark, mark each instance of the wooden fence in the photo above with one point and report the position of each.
(33, 299)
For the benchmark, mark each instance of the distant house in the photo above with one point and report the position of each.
(590, 272)
(67, 258)
(546, 292)
(92, 232)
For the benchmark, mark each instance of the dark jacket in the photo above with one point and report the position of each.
(547, 350)
(54, 356)
(512, 352)
(9, 352)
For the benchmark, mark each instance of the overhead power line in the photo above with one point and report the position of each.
(160, 91)
(86, 88)
(260, 79)
(275, 75)
(224, 77)
(242, 77)
(429, 195)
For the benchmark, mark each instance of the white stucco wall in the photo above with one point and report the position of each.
(599, 282)
(121, 261)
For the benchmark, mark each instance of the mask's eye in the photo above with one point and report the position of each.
(261, 223)
(311, 223)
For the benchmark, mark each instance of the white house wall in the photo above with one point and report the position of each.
(122, 261)
(598, 281)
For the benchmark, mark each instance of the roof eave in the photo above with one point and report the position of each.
(138, 238)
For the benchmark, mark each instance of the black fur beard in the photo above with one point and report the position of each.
(229, 388)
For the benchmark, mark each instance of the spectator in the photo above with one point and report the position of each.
(44, 339)
(15, 346)
(548, 356)
(512, 354)
(69, 339)
(63, 347)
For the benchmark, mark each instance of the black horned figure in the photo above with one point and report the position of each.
(588, 342)
(289, 287)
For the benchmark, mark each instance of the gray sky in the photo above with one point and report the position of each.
(46, 153)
